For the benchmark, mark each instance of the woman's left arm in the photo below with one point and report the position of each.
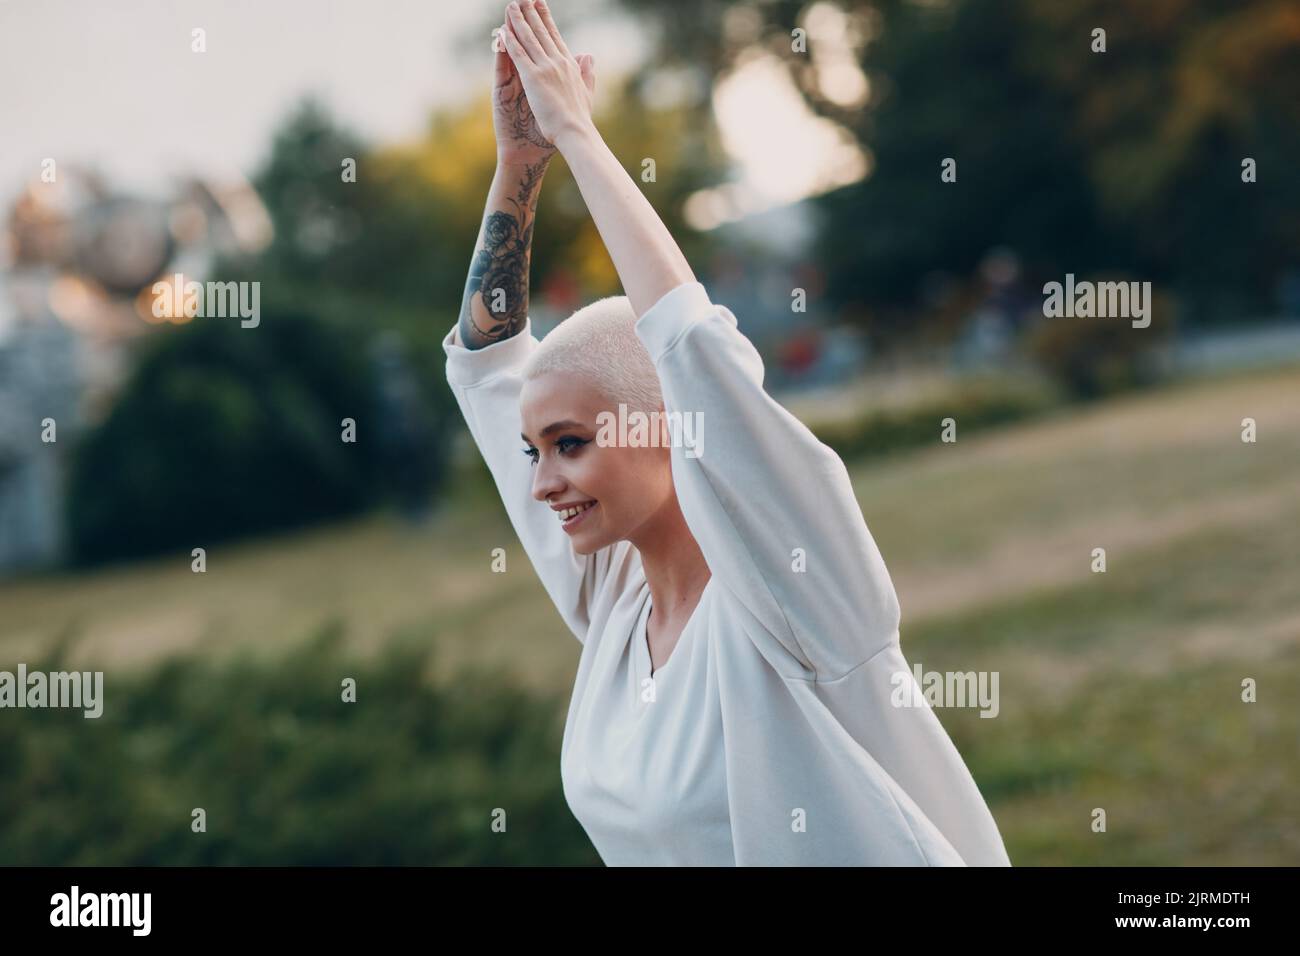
(647, 258)
(771, 506)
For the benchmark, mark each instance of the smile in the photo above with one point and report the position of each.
(572, 517)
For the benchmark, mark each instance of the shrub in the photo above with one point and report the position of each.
(975, 406)
(223, 431)
(287, 773)
(1092, 356)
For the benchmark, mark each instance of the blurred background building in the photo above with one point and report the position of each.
(75, 293)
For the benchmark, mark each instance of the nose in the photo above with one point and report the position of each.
(547, 479)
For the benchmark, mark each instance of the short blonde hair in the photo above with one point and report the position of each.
(599, 342)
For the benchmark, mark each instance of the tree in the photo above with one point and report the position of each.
(1079, 160)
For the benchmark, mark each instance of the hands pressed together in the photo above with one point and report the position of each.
(542, 91)
(542, 101)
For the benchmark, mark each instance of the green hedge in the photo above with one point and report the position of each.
(974, 406)
(288, 773)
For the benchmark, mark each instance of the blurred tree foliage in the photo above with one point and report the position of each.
(1126, 160)
(404, 232)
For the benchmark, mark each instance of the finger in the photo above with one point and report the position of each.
(501, 59)
(516, 49)
(545, 11)
(524, 34)
(588, 66)
(539, 30)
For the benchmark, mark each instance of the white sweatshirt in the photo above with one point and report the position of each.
(768, 737)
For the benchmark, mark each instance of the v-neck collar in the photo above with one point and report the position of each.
(641, 638)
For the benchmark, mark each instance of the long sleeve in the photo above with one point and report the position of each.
(486, 383)
(760, 491)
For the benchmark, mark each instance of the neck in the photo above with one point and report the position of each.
(673, 562)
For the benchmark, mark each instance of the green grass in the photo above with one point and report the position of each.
(1105, 702)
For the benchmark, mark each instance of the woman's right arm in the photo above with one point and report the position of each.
(486, 352)
(491, 341)
(495, 305)
(496, 293)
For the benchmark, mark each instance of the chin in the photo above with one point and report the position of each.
(588, 545)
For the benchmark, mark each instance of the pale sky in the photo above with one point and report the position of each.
(115, 83)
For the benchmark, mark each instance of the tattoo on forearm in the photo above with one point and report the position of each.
(498, 273)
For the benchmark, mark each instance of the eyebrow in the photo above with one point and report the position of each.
(555, 427)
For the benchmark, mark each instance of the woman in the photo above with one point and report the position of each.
(739, 629)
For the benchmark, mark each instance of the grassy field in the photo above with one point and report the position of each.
(1119, 690)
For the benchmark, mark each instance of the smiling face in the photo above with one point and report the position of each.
(620, 488)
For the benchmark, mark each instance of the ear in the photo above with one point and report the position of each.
(587, 63)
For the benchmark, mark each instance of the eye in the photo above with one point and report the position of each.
(567, 446)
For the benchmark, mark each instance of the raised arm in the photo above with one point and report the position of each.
(647, 258)
(496, 293)
(491, 341)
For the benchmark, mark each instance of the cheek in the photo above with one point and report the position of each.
(646, 474)
(629, 481)
(631, 485)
